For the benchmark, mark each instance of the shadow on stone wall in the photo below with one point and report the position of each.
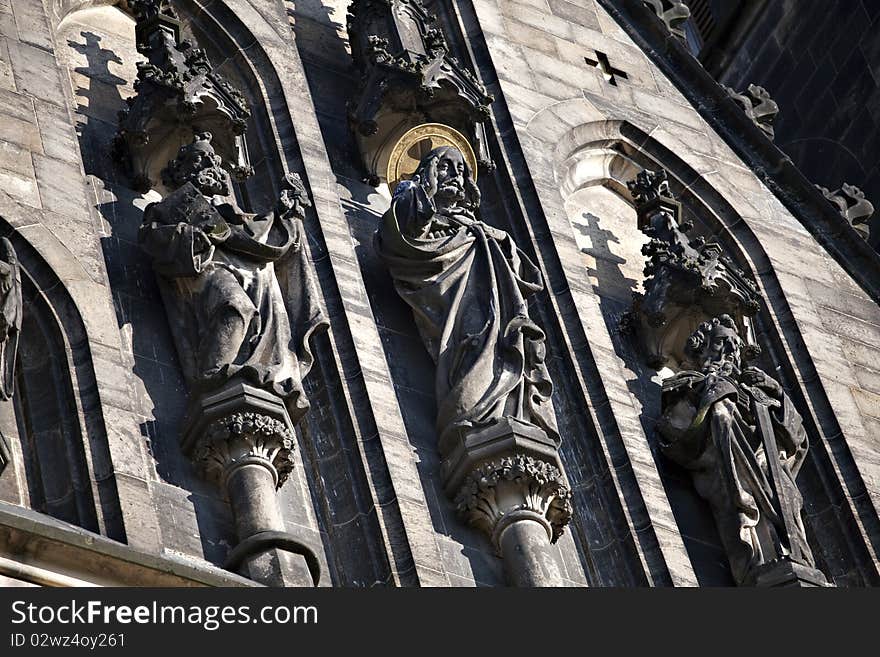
(157, 385)
(692, 514)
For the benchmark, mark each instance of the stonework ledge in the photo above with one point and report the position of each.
(62, 552)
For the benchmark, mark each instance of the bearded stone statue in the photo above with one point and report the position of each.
(240, 297)
(467, 284)
(743, 441)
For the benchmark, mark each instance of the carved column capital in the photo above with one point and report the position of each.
(245, 438)
(512, 488)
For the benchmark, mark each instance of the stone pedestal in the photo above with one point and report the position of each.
(785, 573)
(506, 481)
(242, 438)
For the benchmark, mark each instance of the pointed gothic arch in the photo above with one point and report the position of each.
(602, 153)
(61, 462)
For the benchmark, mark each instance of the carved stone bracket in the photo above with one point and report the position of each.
(242, 438)
(178, 94)
(687, 280)
(511, 488)
(506, 480)
(245, 438)
(409, 77)
(673, 13)
(758, 106)
(850, 201)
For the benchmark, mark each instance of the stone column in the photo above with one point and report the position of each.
(506, 481)
(242, 438)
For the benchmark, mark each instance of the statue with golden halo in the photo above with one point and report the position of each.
(467, 283)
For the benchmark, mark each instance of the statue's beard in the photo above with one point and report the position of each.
(449, 195)
(211, 181)
(725, 365)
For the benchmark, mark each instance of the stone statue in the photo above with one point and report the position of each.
(240, 297)
(467, 284)
(10, 316)
(743, 441)
(10, 327)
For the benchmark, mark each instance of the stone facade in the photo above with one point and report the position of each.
(99, 485)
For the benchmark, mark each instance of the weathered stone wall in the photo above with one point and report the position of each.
(49, 208)
(366, 489)
(537, 51)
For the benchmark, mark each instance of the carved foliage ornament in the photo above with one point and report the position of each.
(758, 106)
(243, 438)
(538, 486)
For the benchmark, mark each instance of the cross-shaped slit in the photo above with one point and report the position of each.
(609, 72)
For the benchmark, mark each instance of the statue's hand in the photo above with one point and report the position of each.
(294, 198)
(217, 232)
(753, 376)
(201, 241)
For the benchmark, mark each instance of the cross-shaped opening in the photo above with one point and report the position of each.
(610, 73)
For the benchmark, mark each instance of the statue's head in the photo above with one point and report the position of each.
(455, 182)
(199, 164)
(716, 345)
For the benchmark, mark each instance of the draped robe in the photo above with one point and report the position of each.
(707, 427)
(259, 276)
(467, 285)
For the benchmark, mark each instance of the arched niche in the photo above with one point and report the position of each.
(329, 493)
(592, 164)
(60, 462)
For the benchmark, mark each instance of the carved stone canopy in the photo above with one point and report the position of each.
(687, 280)
(178, 94)
(409, 77)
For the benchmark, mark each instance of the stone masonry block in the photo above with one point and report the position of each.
(36, 72)
(33, 27)
(61, 187)
(58, 136)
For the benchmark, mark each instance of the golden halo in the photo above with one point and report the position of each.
(418, 142)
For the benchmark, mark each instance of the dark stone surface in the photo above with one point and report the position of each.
(799, 52)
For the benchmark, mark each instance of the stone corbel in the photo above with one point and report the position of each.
(506, 480)
(242, 439)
